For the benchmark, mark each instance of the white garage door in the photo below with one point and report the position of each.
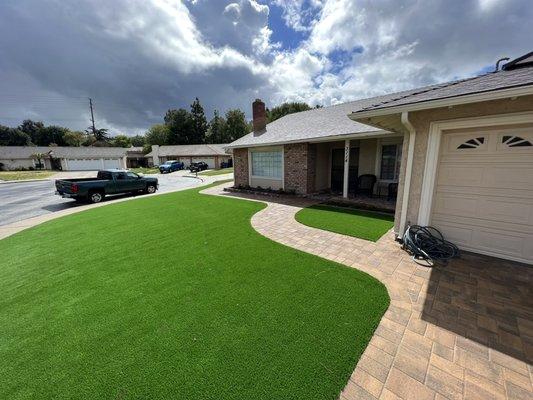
(484, 193)
(91, 164)
(110, 163)
(84, 164)
(210, 161)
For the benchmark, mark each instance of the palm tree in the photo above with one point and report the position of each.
(39, 157)
(100, 135)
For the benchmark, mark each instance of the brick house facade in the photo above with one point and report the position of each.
(298, 165)
(240, 167)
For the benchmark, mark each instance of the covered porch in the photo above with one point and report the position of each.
(359, 171)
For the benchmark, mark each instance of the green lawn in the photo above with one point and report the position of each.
(217, 172)
(143, 170)
(176, 297)
(362, 224)
(24, 175)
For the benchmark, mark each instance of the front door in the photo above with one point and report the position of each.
(337, 169)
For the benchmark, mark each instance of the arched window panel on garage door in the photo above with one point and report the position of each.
(515, 141)
(472, 143)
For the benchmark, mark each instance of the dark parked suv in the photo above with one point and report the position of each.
(171, 166)
(198, 166)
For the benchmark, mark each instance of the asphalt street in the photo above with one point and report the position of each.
(19, 201)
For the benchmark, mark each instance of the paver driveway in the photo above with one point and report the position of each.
(464, 331)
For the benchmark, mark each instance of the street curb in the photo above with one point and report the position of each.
(15, 227)
(25, 180)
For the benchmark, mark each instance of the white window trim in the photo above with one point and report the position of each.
(436, 129)
(267, 149)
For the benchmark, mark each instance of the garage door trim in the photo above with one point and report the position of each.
(436, 129)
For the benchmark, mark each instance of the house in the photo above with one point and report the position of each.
(461, 153)
(135, 157)
(64, 158)
(212, 154)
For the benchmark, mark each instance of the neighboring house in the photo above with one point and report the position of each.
(461, 151)
(65, 158)
(135, 157)
(212, 154)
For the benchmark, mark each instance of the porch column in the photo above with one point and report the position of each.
(346, 168)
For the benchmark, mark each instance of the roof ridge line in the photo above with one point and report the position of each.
(432, 87)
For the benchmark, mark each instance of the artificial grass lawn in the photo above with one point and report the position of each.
(176, 296)
(144, 170)
(23, 175)
(361, 224)
(213, 172)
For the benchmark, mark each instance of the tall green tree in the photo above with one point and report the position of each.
(236, 126)
(33, 129)
(217, 129)
(138, 140)
(74, 138)
(180, 126)
(157, 134)
(13, 137)
(121, 141)
(51, 135)
(199, 122)
(285, 109)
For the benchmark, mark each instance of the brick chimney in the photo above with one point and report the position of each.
(259, 115)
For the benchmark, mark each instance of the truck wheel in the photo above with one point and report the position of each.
(150, 189)
(96, 197)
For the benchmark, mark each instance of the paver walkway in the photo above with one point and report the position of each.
(464, 331)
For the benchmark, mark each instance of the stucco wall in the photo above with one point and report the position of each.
(367, 156)
(421, 121)
(323, 166)
(266, 183)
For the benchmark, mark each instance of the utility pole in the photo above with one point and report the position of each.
(92, 115)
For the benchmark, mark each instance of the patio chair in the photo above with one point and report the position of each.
(365, 184)
(392, 191)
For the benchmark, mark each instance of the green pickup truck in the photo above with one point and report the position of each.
(109, 181)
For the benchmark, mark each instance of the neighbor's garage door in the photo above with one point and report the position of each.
(91, 164)
(84, 164)
(484, 192)
(110, 163)
(210, 161)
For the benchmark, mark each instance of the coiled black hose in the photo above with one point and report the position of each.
(427, 243)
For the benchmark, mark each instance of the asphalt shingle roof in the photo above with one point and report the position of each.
(22, 152)
(191, 150)
(315, 124)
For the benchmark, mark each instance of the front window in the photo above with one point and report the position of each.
(267, 164)
(391, 156)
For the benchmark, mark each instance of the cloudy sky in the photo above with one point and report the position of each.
(138, 58)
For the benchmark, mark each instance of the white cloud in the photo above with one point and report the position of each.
(138, 58)
(299, 14)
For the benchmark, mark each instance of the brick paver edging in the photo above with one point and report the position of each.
(408, 357)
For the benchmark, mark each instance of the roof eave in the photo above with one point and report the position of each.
(360, 135)
(446, 102)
